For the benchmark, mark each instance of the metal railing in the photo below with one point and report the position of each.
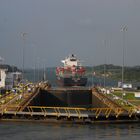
(67, 111)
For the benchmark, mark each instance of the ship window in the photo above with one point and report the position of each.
(72, 59)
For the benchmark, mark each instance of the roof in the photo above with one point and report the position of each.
(9, 68)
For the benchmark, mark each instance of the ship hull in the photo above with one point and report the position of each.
(71, 81)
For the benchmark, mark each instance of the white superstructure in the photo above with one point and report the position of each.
(8, 79)
(71, 61)
(2, 78)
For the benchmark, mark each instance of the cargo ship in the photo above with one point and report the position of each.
(72, 73)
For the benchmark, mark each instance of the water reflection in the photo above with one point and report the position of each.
(69, 131)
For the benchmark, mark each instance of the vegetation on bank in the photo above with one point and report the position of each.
(131, 74)
(127, 96)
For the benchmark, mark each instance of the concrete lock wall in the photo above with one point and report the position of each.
(96, 103)
(63, 98)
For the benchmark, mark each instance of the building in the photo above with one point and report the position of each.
(9, 76)
(125, 85)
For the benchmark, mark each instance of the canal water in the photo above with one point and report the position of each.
(51, 131)
(35, 76)
(45, 131)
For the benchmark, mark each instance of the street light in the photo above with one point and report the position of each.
(92, 74)
(44, 71)
(123, 30)
(105, 64)
(38, 69)
(23, 36)
(34, 62)
(35, 72)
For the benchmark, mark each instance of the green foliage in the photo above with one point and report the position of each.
(128, 95)
(131, 74)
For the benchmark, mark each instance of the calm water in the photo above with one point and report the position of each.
(51, 77)
(44, 131)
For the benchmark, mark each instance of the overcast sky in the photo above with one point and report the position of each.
(91, 29)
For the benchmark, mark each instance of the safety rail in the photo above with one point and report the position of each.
(107, 101)
(27, 101)
(130, 108)
(70, 88)
(10, 100)
(4, 95)
(67, 111)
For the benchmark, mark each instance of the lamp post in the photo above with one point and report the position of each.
(43, 70)
(123, 29)
(104, 75)
(23, 36)
(105, 65)
(34, 72)
(44, 73)
(92, 74)
(38, 69)
(34, 62)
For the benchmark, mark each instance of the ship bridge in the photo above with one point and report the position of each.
(71, 61)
